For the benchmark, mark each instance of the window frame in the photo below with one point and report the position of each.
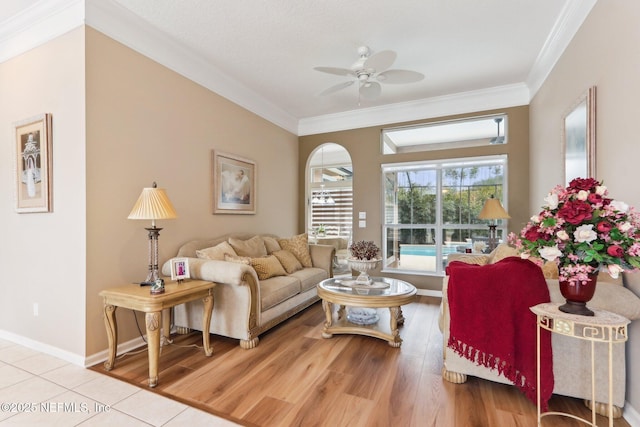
(438, 227)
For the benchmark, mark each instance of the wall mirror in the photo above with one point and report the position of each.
(579, 138)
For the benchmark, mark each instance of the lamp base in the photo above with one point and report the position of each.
(154, 232)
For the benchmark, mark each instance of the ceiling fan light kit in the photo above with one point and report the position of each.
(369, 71)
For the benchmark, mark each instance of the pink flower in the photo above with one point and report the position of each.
(575, 212)
(604, 227)
(616, 251)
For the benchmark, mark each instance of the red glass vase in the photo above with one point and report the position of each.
(577, 295)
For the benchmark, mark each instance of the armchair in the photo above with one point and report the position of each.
(571, 357)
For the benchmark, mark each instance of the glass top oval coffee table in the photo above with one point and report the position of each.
(363, 302)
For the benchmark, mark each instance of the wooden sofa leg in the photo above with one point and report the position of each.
(603, 409)
(453, 377)
(248, 344)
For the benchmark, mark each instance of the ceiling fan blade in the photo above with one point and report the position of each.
(336, 88)
(370, 90)
(380, 61)
(400, 76)
(335, 70)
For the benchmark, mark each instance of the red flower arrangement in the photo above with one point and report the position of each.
(582, 231)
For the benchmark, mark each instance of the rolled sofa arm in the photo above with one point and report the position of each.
(231, 273)
(322, 257)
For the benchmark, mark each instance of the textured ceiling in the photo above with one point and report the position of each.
(272, 46)
(267, 49)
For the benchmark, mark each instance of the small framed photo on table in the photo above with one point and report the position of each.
(179, 269)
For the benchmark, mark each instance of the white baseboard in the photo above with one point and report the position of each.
(75, 359)
(123, 348)
(430, 293)
(631, 415)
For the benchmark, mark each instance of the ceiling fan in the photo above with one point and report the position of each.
(369, 70)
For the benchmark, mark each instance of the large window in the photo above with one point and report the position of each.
(431, 210)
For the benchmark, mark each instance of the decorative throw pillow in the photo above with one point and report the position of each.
(271, 244)
(238, 259)
(288, 261)
(216, 252)
(267, 267)
(299, 246)
(469, 258)
(501, 252)
(254, 247)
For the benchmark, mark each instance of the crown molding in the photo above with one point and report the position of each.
(49, 19)
(127, 28)
(39, 24)
(479, 100)
(567, 25)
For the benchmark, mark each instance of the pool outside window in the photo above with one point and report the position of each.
(431, 210)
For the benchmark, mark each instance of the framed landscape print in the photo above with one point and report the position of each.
(234, 184)
(579, 138)
(33, 160)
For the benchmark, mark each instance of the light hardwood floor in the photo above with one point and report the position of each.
(296, 378)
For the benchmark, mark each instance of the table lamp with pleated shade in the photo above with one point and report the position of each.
(493, 210)
(153, 204)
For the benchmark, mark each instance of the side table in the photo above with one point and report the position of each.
(604, 326)
(156, 308)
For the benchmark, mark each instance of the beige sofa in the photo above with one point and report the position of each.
(571, 357)
(245, 305)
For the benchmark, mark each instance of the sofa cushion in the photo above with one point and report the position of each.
(476, 259)
(238, 259)
(275, 290)
(299, 246)
(216, 252)
(309, 277)
(501, 252)
(267, 267)
(288, 260)
(271, 243)
(254, 247)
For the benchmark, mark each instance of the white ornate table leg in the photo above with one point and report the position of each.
(328, 311)
(395, 312)
(153, 321)
(206, 323)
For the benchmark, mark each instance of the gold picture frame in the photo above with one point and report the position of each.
(579, 138)
(234, 184)
(33, 160)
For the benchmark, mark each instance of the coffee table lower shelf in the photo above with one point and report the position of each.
(337, 323)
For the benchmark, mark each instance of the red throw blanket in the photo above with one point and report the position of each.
(491, 323)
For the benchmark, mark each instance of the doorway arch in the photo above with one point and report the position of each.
(329, 192)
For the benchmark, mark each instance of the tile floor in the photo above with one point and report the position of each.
(38, 389)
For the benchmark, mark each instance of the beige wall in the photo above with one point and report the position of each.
(146, 123)
(604, 53)
(42, 255)
(364, 147)
(143, 123)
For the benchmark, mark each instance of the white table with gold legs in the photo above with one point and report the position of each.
(604, 327)
(156, 308)
(383, 293)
